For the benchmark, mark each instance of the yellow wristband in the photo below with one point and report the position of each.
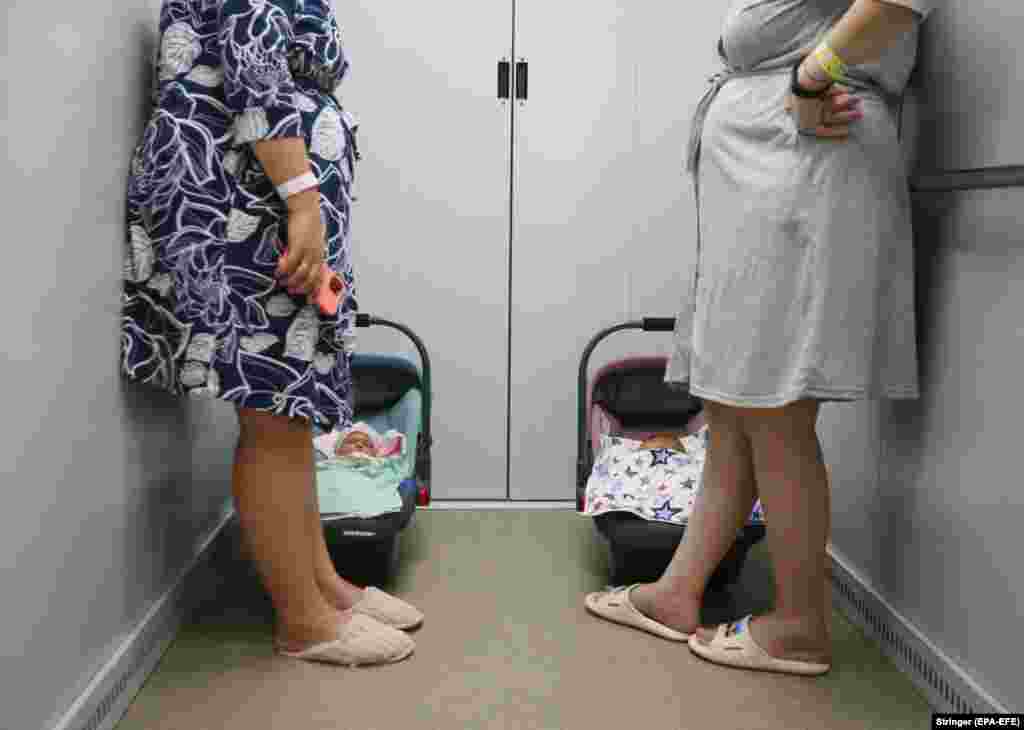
(831, 63)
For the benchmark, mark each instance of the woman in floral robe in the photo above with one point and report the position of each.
(244, 102)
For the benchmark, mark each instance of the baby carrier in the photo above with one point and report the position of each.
(390, 394)
(628, 400)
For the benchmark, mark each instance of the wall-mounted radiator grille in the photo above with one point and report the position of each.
(104, 701)
(944, 684)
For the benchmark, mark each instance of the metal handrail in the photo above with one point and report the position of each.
(983, 178)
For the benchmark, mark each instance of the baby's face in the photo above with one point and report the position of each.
(355, 442)
(665, 440)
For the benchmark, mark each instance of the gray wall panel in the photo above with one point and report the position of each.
(938, 534)
(970, 64)
(109, 486)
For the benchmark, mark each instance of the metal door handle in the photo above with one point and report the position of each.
(504, 72)
(522, 80)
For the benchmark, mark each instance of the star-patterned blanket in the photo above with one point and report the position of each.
(660, 485)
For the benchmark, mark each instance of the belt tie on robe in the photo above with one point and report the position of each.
(716, 83)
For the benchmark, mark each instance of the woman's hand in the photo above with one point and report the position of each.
(302, 264)
(827, 116)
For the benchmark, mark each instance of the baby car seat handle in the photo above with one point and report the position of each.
(659, 324)
(583, 456)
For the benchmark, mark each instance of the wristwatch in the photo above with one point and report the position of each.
(797, 90)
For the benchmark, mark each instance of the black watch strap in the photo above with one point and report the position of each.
(794, 85)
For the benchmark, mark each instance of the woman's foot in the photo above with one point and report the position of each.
(301, 636)
(388, 609)
(340, 593)
(372, 602)
(667, 605)
(803, 639)
(347, 639)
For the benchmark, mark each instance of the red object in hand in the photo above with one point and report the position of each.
(328, 294)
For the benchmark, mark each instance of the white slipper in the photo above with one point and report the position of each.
(615, 606)
(388, 610)
(734, 646)
(361, 641)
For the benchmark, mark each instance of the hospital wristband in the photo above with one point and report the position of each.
(831, 63)
(297, 185)
(797, 90)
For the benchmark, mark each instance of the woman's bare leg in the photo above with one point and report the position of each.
(793, 485)
(336, 590)
(272, 474)
(723, 505)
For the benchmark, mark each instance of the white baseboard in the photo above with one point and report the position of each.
(498, 504)
(107, 697)
(946, 686)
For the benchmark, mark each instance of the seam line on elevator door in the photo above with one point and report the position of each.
(508, 261)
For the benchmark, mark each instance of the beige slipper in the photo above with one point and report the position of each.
(734, 646)
(388, 610)
(361, 641)
(615, 606)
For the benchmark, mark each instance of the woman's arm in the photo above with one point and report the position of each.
(284, 159)
(258, 87)
(863, 34)
(255, 36)
(300, 269)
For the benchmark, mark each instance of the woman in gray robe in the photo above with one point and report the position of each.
(803, 293)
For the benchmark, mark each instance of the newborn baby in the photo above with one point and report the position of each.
(362, 440)
(355, 442)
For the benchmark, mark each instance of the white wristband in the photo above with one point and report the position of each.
(297, 185)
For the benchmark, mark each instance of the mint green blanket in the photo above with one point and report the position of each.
(361, 487)
(351, 487)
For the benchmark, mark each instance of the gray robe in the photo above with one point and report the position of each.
(804, 285)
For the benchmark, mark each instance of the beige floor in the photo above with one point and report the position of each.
(508, 645)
